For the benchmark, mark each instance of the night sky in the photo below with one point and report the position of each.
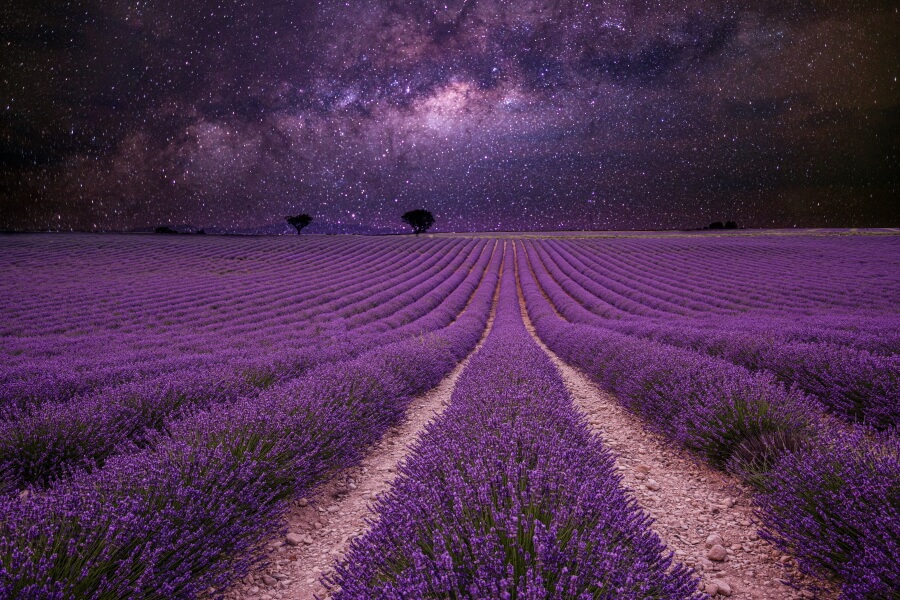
(492, 114)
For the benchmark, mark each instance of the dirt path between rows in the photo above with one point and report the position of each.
(690, 502)
(704, 516)
(321, 527)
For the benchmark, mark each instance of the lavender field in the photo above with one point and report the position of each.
(189, 416)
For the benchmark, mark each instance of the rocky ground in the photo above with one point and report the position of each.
(321, 527)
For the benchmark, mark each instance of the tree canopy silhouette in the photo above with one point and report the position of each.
(420, 220)
(720, 225)
(299, 222)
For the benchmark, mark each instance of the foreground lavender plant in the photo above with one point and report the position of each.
(835, 505)
(508, 495)
(143, 527)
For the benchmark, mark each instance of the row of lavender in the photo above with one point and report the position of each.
(180, 274)
(192, 289)
(733, 275)
(283, 321)
(762, 285)
(178, 356)
(146, 349)
(141, 526)
(852, 382)
(827, 493)
(509, 495)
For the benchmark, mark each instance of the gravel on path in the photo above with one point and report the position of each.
(321, 527)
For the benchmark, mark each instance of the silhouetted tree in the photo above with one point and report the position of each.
(716, 225)
(164, 229)
(299, 222)
(730, 225)
(420, 220)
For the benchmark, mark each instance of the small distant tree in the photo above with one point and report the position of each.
(730, 225)
(420, 220)
(716, 225)
(299, 222)
(164, 229)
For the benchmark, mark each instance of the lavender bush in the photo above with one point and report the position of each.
(835, 505)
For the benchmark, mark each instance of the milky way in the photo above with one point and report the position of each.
(509, 115)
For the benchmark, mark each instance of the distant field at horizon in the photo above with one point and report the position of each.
(534, 233)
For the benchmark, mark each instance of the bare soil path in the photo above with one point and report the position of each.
(321, 527)
(704, 516)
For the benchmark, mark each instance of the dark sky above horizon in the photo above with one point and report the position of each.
(492, 114)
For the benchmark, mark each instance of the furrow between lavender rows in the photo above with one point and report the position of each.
(826, 491)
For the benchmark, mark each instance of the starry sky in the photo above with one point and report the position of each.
(492, 114)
